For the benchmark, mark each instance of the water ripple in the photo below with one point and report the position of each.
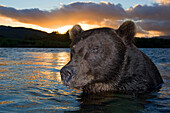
(30, 82)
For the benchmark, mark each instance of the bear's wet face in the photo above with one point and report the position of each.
(91, 52)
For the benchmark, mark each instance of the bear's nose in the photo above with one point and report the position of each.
(66, 73)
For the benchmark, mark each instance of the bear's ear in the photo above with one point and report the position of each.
(127, 31)
(76, 30)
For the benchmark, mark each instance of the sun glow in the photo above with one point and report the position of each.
(88, 26)
(64, 29)
(150, 34)
(11, 22)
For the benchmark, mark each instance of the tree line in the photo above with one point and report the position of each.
(57, 40)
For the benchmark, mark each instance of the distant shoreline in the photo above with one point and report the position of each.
(20, 37)
(55, 43)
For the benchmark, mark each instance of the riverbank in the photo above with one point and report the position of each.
(31, 38)
(53, 43)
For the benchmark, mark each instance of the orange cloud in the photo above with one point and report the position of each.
(148, 18)
(163, 1)
(11, 22)
(90, 13)
(150, 34)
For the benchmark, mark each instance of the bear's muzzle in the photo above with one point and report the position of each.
(66, 75)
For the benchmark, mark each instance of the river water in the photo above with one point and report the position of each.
(30, 82)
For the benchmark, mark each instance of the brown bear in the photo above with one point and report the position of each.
(105, 59)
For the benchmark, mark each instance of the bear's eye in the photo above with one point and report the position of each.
(95, 49)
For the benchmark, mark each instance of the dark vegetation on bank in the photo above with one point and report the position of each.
(26, 37)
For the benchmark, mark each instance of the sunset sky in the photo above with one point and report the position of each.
(152, 17)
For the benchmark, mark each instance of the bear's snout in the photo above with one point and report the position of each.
(66, 74)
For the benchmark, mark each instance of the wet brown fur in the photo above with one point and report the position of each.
(105, 59)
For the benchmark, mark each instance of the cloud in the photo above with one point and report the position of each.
(148, 18)
(152, 18)
(155, 12)
(31, 16)
(91, 13)
(154, 25)
(163, 1)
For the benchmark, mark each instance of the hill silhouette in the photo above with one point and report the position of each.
(27, 37)
(20, 32)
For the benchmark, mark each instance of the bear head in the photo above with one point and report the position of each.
(97, 55)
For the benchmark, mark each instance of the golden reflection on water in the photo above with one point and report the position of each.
(6, 102)
(63, 58)
(47, 61)
(37, 77)
(66, 107)
(39, 66)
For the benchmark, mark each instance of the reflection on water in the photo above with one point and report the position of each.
(30, 81)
